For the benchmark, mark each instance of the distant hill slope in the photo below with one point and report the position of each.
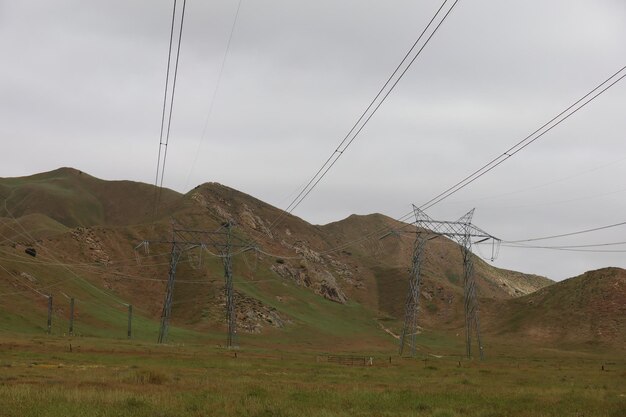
(388, 260)
(39, 226)
(301, 283)
(587, 309)
(74, 198)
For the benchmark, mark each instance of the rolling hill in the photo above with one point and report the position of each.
(297, 289)
(589, 309)
(73, 198)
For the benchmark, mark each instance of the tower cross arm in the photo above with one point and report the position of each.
(453, 229)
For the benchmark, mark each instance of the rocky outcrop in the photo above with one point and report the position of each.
(310, 275)
(286, 271)
(253, 316)
(249, 218)
(329, 289)
(88, 240)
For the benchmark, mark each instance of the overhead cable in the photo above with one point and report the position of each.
(580, 232)
(215, 90)
(166, 127)
(513, 150)
(522, 144)
(371, 109)
(566, 249)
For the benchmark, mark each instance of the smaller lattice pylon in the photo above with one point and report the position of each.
(222, 241)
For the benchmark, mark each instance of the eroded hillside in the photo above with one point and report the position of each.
(86, 232)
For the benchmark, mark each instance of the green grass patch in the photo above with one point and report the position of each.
(122, 378)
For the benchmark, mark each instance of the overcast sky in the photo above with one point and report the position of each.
(81, 85)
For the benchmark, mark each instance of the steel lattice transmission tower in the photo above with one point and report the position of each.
(222, 241)
(464, 233)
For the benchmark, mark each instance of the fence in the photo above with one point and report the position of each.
(347, 360)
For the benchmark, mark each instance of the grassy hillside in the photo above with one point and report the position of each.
(38, 226)
(387, 260)
(74, 198)
(586, 310)
(558, 350)
(295, 290)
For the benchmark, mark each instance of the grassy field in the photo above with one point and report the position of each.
(282, 371)
(40, 376)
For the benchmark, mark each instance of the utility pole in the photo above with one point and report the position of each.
(222, 241)
(129, 332)
(462, 232)
(71, 330)
(49, 329)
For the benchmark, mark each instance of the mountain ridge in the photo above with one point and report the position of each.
(363, 282)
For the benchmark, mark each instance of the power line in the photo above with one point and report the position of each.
(548, 126)
(592, 245)
(24, 284)
(164, 145)
(215, 90)
(576, 174)
(76, 277)
(271, 255)
(571, 200)
(119, 262)
(169, 120)
(566, 249)
(566, 234)
(167, 79)
(369, 112)
(522, 144)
